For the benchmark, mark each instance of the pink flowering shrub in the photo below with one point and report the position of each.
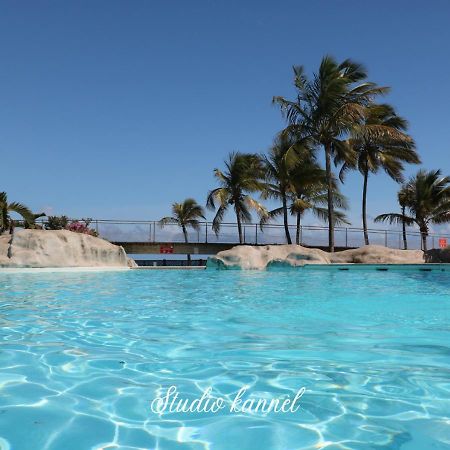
(81, 227)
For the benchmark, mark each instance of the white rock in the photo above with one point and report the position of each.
(59, 248)
(259, 257)
(377, 254)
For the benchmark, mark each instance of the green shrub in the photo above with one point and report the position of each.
(57, 223)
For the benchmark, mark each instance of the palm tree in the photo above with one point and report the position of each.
(32, 224)
(309, 193)
(380, 142)
(403, 198)
(427, 197)
(186, 214)
(243, 175)
(326, 109)
(279, 165)
(293, 176)
(6, 222)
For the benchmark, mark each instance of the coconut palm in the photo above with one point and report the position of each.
(427, 198)
(6, 222)
(185, 214)
(380, 142)
(326, 108)
(279, 165)
(309, 192)
(243, 176)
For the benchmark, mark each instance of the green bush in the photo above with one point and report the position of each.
(57, 223)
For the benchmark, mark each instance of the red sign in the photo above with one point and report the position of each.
(166, 249)
(442, 242)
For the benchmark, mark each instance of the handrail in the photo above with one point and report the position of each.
(411, 232)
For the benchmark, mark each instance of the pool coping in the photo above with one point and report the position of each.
(426, 267)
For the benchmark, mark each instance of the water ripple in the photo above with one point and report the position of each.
(82, 355)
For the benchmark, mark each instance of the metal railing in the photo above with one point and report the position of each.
(311, 235)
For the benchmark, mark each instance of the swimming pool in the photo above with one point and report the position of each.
(83, 355)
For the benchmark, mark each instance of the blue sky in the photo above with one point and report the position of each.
(115, 109)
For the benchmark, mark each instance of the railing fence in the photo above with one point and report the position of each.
(311, 235)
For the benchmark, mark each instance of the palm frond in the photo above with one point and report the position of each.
(269, 216)
(395, 218)
(167, 220)
(22, 210)
(218, 218)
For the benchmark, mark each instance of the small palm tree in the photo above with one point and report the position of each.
(326, 108)
(6, 222)
(380, 142)
(427, 198)
(243, 175)
(309, 193)
(186, 214)
(32, 224)
(279, 165)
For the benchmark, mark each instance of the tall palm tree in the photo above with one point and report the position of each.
(427, 197)
(185, 214)
(6, 222)
(309, 193)
(326, 109)
(279, 165)
(380, 142)
(243, 175)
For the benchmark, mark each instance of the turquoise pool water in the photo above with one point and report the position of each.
(83, 354)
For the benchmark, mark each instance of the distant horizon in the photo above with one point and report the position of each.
(114, 111)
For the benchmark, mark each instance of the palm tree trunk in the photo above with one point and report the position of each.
(4, 218)
(329, 197)
(185, 234)
(297, 233)
(239, 225)
(285, 220)
(424, 234)
(405, 242)
(364, 206)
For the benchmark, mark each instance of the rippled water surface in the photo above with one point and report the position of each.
(82, 355)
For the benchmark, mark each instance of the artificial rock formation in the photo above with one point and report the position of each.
(59, 248)
(260, 257)
(377, 254)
